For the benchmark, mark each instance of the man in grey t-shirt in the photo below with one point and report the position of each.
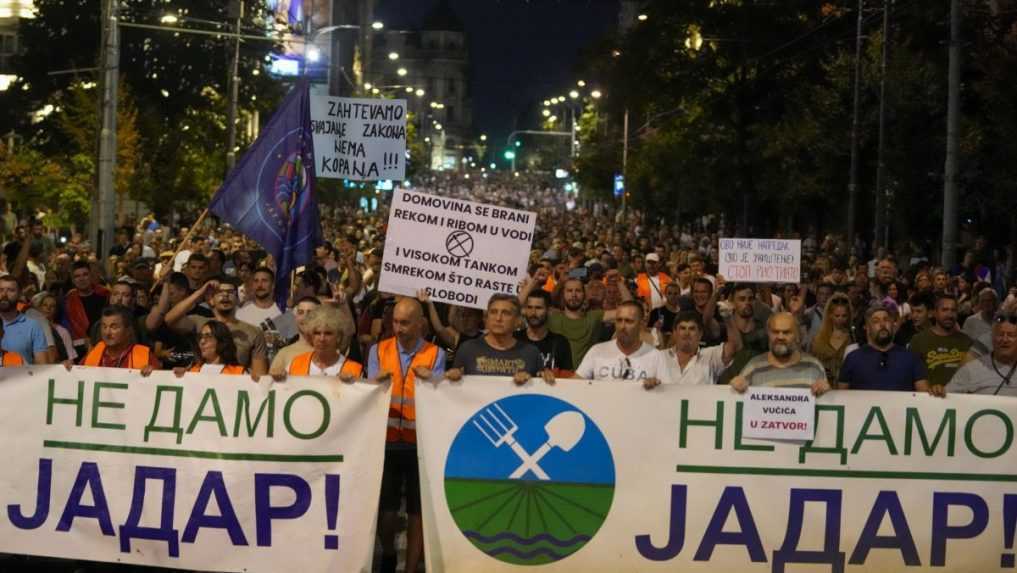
(996, 372)
(785, 365)
(498, 352)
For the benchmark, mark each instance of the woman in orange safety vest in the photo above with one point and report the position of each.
(217, 351)
(325, 327)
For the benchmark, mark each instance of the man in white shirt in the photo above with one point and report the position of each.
(626, 357)
(688, 364)
(263, 306)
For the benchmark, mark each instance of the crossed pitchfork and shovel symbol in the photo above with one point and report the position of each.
(564, 431)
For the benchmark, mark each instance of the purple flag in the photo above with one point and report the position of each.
(269, 196)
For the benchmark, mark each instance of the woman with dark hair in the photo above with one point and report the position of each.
(217, 353)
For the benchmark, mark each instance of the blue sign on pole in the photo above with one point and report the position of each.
(619, 186)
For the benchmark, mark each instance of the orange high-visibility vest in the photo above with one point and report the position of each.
(228, 369)
(402, 413)
(644, 288)
(301, 366)
(11, 359)
(138, 358)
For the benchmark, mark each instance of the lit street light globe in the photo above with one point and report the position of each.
(378, 25)
(595, 94)
(393, 56)
(401, 72)
(420, 93)
(574, 94)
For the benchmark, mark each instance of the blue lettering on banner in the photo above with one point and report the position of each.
(676, 530)
(942, 531)
(132, 528)
(88, 476)
(887, 504)
(830, 554)
(265, 512)
(42, 496)
(214, 487)
(733, 498)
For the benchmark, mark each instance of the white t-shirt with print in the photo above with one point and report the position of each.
(605, 361)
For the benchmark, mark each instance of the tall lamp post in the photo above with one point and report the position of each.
(101, 222)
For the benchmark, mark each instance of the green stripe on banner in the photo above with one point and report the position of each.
(856, 474)
(229, 456)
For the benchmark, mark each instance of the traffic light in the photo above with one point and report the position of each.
(510, 155)
(519, 143)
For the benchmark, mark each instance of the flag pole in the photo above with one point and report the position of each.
(165, 272)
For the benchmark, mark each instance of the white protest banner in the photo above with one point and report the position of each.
(761, 260)
(779, 413)
(207, 472)
(608, 477)
(359, 139)
(460, 251)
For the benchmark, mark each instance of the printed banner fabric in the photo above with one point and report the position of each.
(609, 477)
(210, 473)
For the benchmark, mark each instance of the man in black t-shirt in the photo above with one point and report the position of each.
(555, 352)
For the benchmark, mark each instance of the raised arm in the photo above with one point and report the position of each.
(733, 343)
(446, 334)
(185, 306)
(155, 316)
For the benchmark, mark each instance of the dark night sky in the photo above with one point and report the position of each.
(520, 50)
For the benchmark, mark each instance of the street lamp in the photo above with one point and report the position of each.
(596, 94)
(393, 56)
(642, 17)
(574, 94)
(402, 72)
(378, 25)
(420, 93)
(581, 84)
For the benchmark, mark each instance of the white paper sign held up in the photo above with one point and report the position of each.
(779, 414)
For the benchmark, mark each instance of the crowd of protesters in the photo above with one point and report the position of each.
(610, 295)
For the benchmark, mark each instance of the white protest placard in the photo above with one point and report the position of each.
(461, 252)
(201, 473)
(761, 260)
(779, 414)
(359, 139)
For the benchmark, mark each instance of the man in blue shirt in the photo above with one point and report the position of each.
(881, 364)
(22, 334)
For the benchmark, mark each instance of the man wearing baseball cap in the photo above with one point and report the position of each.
(651, 284)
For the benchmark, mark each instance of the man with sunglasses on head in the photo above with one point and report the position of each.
(882, 364)
(994, 373)
(626, 357)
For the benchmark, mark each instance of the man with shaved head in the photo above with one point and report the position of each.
(404, 358)
(785, 365)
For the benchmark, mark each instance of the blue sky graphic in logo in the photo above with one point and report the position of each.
(529, 479)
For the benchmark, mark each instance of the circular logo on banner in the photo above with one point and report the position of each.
(459, 244)
(529, 479)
